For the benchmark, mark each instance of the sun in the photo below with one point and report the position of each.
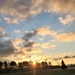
(34, 63)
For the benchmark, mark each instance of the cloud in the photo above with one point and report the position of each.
(3, 34)
(6, 48)
(31, 55)
(19, 47)
(10, 47)
(1, 29)
(17, 31)
(73, 56)
(68, 19)
(29, 35)
(17, 42)
(66, 37)
(10, 20)
(19, 10)
(47, 45)
(32, 44)
(67, 57)
(59, 6)
(26, 9)
(45, 31)
(55, 59)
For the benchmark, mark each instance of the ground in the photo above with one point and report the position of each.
(46, 72)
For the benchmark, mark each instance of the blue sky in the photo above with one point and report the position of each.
(37, 29)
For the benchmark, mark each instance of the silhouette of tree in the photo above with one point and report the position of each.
(13, 64)
(50, 64)
(44, 65)
(37, 66)
(63, 66)
(5, 64)
(1, 64)
(25, 63)
(26, 66)
(20, 65)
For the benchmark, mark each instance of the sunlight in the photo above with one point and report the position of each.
(34, 63)
(34, 70)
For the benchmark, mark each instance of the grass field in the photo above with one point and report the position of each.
(46, 72)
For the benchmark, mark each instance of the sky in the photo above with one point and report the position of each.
(37, 30)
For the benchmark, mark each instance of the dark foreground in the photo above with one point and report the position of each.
(46, 72)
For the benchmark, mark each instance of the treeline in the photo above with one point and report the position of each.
(27, 66)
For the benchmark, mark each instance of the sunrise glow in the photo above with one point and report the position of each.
(37, 30)
(34, 63)
(37, 36)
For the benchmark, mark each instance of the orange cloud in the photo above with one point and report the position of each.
(46, 31)
(66, 37)
(67, 20)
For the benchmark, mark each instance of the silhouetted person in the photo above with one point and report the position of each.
(63, 66)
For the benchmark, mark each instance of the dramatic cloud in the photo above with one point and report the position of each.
(66, 37)
(6, 48)
(43, 31)
(10, 47)
(30, 46)
(17, 31)
(24, 45)
(14, 11)
(68, 19)
(20, 10)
